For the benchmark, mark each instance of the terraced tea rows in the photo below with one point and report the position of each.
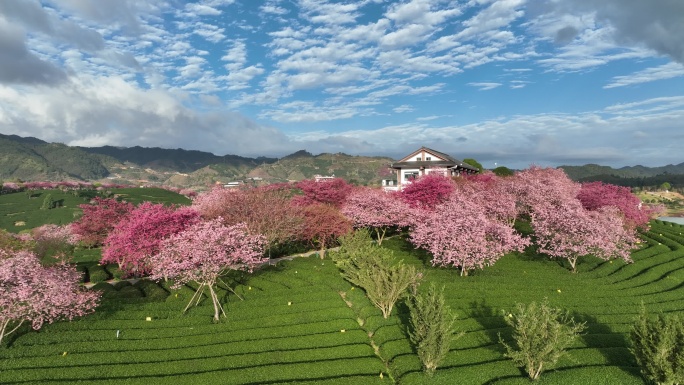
(301, 323)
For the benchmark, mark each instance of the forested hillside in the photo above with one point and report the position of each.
(31, 159)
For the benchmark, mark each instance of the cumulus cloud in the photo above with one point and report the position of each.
(658, 24)
(96, 111)
(119, 14)
(607, 25)
(167, 73)
(546, 139)
(19, 65)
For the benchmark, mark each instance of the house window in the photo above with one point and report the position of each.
(409, 176)
(428, 158)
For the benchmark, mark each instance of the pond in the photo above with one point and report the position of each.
(679, 220)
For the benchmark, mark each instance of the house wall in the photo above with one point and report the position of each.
(441, 171)
(402, 178)
(422, 156)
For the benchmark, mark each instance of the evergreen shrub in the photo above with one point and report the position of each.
(431, 327)
(130, 291)
(541, 336)
(658, 346)
(121, 284)
(375, 270)
(97, 274)
(151, 290)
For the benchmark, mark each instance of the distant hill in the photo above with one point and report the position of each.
(633, 176)
(173, 160)
(304, 165)
(32, 159)
(593, 170)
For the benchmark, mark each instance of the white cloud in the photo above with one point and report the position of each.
(499, 14)
(517, 84)
(274, 9)
(427, 118)
(648, 106)
(97, 111)
(355, 61)
(326, 12)
(546, 139)
(595, 33)
(201, 10)
(665, 71)
(485, 86)
(210, 32)
(403, 108)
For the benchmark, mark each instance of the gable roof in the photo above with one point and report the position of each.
(448, 161)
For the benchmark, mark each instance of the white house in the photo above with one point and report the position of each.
(425, 161)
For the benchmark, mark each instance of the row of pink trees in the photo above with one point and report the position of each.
(467, 222)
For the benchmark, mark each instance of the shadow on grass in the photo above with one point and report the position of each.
(493, 325)
(404, 315)
(24, 329)
(613, 346)
(495, 328)
(422, 255)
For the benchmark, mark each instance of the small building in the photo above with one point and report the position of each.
(321, 178)
(390, 184)
(425, 161)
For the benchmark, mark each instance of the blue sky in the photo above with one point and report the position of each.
(507, 82)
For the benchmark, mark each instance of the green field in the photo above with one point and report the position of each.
(21, 211)
(289, 328)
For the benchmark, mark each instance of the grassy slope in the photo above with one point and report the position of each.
(265, 340)
(18, 207)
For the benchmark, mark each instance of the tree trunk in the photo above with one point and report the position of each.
(214, 300)
(380, 235)
(322, 252)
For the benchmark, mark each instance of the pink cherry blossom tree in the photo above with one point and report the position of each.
(569, 231)
(332, 192)
(53, 240)
(459, 233)
(203, 253)
(323, 225)
(428, 191)
(98, 219)
(377, 210)
(495, 194)
(538, 187)
(10, 187)
(36, 294)
(15, 242)
(595, 195)
(134, 240)
(265, 211)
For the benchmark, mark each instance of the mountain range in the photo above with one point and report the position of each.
(32, 159)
